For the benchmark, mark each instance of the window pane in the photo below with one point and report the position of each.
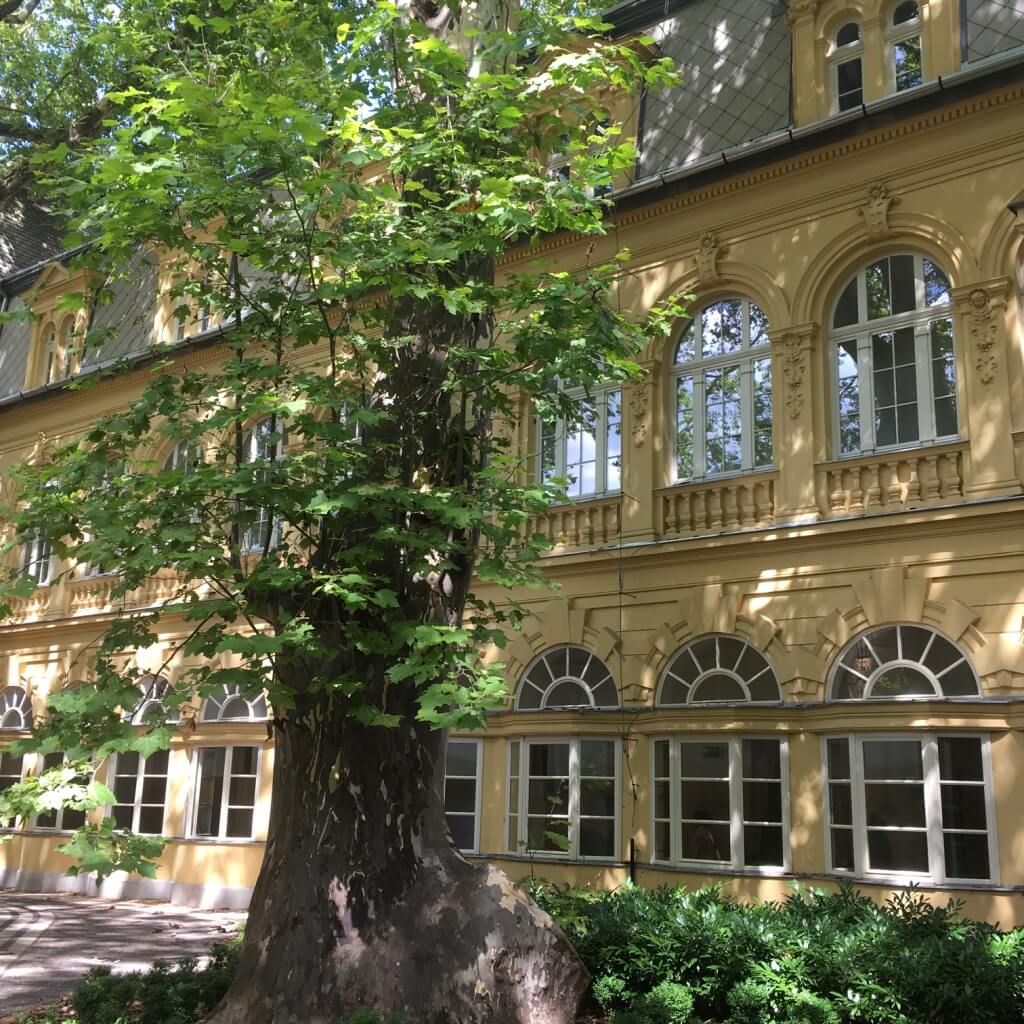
(722, 328)
(211, 787)
(597, 797)
(840, 803)
(944, 378)
(122, 815)
(892, 759)
(963, 807)
(907, 59)
(959, 681)
(705, 760)
(722, 420)
(906, 11)
(839, 759)
(936, 285)
(898, 851)
(151, 820)
(846, 308)
(904, 298)
(705, 801)
(902, 681)
(72, 819)
(661, 759)
(762, 845)
(461, 758)
(597, 757)
(662, 832)
(758, 326)
(762, 759)
(894, 805)
(849, 33)
(762, 801)
(597, 838)
(842, 849)
(661, 800)
(548, 796)
(460, 795)
(762, 385)
(463, 829)
(613, 441)
(685, 349)
(849, 82)
(960, 759)
(848, 397)
(243, 761)
(547, 834)
(239, 823)
(157, 764)
(154, 789)
(966, 855)
(684, 427)
(124, 789)
(549, 758)
(718, 689)
(706, 842)
(877, 279)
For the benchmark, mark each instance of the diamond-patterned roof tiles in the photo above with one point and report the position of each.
(734, 56)
(993, 26)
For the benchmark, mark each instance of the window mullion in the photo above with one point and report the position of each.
(925, 395)
(933, 809)
(140, 782)
(675, 796)
(747, 413)
(601, 443)
(225, 792)
(860, 832)
(574, 798)
(866, 398)
(699, 425)
(737, 857)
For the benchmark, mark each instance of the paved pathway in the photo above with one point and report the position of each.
(48, 942)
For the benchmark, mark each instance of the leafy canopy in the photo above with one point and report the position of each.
(350, 195)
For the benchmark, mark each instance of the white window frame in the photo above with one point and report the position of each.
(24, 766)
(573, 813)
(931, 783)
(839, 55)
(477, 778)
(899, 34)
(697, 368)
(196, 779)
(736, 819)
(599, 396)
(920, 319)
(23, 707)
(37, 554)
(137, 804)
(257, 448)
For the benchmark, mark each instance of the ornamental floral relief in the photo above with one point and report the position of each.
(639, 406)
(982, 327)
(796, 344)
(876, 210)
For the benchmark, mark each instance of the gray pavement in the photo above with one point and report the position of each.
(47, 943)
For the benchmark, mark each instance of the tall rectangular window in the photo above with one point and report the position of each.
(61, 819)
(721, 802)
(564, 797)
(11, 769)
(585, 453)
(224, 792)
(915, 806)
(462, 793)
(140, 792)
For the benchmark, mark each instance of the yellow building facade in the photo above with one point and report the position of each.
(787, 639)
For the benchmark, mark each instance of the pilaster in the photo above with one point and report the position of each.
(796, 442)
(982, 311)
(807, 68)
(640, 475)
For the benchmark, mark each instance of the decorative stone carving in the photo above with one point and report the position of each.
(707, 258)
(801, 9)
(983, 329)
(639, 404)
(876, 210)
(796, 344)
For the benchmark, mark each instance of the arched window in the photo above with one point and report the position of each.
(263, 445)
(15, 709)
(718, 669)
(893, 357)
(567, 677)
(904, 46)
(231, 706)
(50, 358)
(66, 348)
(586, 453)
(847, 68)
(37, 559)
(185, 456)
(151, 708)
(723, 391)
(902, 662)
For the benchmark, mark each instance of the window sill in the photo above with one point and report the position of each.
(721, 478)
(586, 499)
(717, 868)
(882, 454)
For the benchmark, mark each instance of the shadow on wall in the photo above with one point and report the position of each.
(734, 57)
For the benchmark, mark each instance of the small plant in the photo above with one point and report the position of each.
(371, 1017)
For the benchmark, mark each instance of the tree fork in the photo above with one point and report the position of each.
(363, 902)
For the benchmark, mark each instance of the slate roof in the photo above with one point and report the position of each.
(734, 56)
(993, 26)
(28, 235)
(128, 316)
(14, 338)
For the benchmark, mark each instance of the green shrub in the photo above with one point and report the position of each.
(816, 958)
(166, 994)
(370, 1017)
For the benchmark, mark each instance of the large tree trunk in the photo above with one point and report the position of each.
(362, 901)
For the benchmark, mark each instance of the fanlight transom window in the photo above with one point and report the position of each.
(567, 677)
(15, 709)
(723, 391)
(151, 707)
(892, 662)
(893, 357)
(231, 705)
(718, 669)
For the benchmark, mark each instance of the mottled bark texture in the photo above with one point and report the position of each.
(363, 902)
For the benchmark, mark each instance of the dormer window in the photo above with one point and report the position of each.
(904, 46)
(50, 358)
(847, 68)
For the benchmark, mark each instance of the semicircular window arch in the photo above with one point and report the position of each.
(902, 662)
(151, 709)
(15, 709)
(230, 704)
(567, 676)
(718, 668)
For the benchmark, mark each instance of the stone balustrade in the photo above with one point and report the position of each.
(582, 524)
(735, 503)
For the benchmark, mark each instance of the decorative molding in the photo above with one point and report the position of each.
(982, 306)
(799, 9)
(796, 344)
(875, 211)
(639, 405)
(707, 258)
